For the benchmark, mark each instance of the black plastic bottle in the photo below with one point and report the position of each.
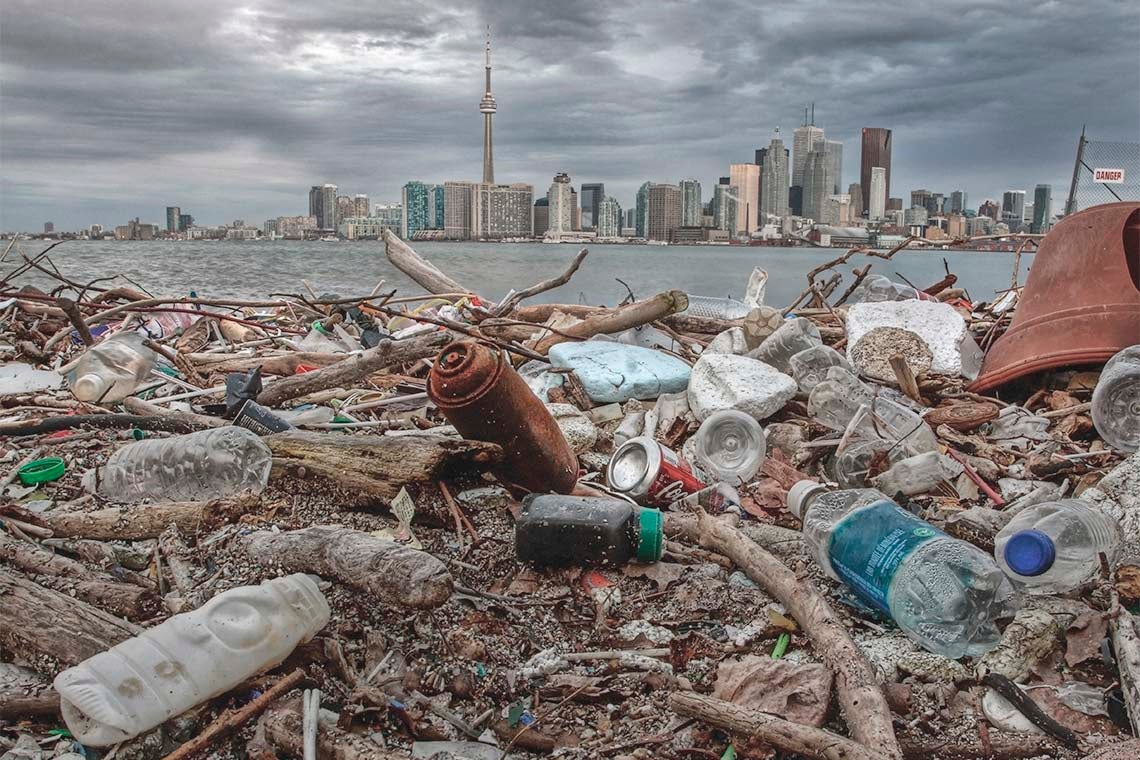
(567, 531)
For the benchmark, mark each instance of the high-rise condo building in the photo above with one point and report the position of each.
(630, 218)
(1042, 208)
(593, 193)
(361, 206)
(316, 201)
(724, 208)
(541, 216)
(804, 139)
(609, 217)
(935, 204)
(958, 201)
(921, 199)
(664, 211)
(435, 206)
(457, 203)
(327, 218)
(876, 152)
(487, 107)
(561, 201)
(172, 214)
(775, 182)
(745, 181)
(414, 198)
(691, 203)
(641, 228)
(502, 211)
(185, 222)
(1013, 208)
(345, 208)
(877, 206)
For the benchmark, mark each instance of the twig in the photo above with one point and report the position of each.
(72, 311)
(515, 299)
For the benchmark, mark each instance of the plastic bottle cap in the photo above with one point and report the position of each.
(320, 327)
(42, 471)
(651, 535)
(798, 495)
(90, 387)
(1030, 552)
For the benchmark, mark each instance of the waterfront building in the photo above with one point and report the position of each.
(593, 194)
(49, 228)
(876, 152)
(921, 198)
(664, 211)
(172, 214)
(724, 208)
(328, 207)
(185, 222)
(345, 207)
(541, 216)
(837, 210)
(487, 107)
(1013, 208)
(135, 230)
(745, 181)
(435, 206)
(575, 211)
(630, 215)
(502, 211)
(371, 227)
(296, 227)
(96, 231)
(979, 225)
(1042, 208)
(775, 182)
(361, 206)
(457, 210)
(609, 218)
(391, 216)
(561, 206)
(817, 183)
(269, 229)
(877, 207)
(641, 225)
(691, 203)
(241, 232)
(415, 198)
(958, 202)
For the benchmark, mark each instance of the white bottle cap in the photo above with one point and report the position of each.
(90, 387)
(800, 493)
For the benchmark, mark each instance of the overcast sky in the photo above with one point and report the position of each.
(111, 109)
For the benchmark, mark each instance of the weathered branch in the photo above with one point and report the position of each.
(634, 315)
(517, 298)
(423, 272)
(141, 521)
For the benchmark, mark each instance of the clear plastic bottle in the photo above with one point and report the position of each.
(835, 399)
(793, 336)
(892, 422)
(1116, 401)
(111, 369)
(209, 464)
(810, 366)
(945, 594)
(189, 659)
(320, 340)
(1053, 547)
(730, 446)
(856, 457)
(711, 307)
(877, 288)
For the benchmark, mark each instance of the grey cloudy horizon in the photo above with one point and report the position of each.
(112, 109)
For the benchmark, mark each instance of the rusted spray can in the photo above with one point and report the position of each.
(480, 393)
(649, 473)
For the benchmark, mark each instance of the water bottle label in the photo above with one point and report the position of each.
(867, 548)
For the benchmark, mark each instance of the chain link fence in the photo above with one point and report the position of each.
(1104, 172)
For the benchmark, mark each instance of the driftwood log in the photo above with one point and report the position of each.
(140, 521)
(63, 574)
(38, 621)
(422, 271)
(147, 409)
(373, 467)
(390, 572)
(864, 707)
(1126, 643)
(21, 702)
(284, 731)
(633, 315)
(354, 368)
(281, 365)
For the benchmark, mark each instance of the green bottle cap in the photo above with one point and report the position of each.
(42, 471)
(320, 327)
(651, 535)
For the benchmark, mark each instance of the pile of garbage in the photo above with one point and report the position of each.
(436, 526)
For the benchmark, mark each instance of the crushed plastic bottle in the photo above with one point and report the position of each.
(209, 464)
(1116, 401)
(730, 446)
(945, 594)
(1017, 428)
(321, 340)
(110, 370)
(835, 399)
(1054, 547)
(189, 659)
(913, 475)
(810, 366)
(565, 531)
(168, 324)
(710, 307)
(903, 428)
(855, 460)
(877, 288)
(793, 336)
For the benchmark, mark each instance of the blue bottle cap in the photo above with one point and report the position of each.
(1030, 552)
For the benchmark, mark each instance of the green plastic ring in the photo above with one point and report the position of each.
(42, 471)
(651, 536)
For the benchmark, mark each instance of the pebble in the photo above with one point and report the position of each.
(576, 427)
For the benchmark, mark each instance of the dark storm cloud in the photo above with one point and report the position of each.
(112, 109)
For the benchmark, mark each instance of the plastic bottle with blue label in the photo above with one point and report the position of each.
(1055, 547)
(945, 594)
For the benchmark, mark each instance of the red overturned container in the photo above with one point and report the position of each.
(480, 393)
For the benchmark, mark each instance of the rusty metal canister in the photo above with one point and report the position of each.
(480, 393)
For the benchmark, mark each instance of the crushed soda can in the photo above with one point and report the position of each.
(650, 473)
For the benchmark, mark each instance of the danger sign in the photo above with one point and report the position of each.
(1110, 176)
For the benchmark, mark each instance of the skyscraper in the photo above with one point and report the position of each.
(835, 164)
(642, 208)
(745, 182)
(958, 201)
(876, 152)
(609, 217)
(921, 199)
(818, 185)
(855, 191)
(326, 219)
(414, 216)
(775, 182)
(361, 206)
(804, 139)
(172, 214)
(877, 203)
(541, 216)
(1042, 208)
(487, 107)
(502, 211)
(457, 210)
(315, 203)
(1013, 208)
(345, 208)
(435, 206)
(690, 203)
(724, 208)
(592, 196)
(561, 219)
(664, 207)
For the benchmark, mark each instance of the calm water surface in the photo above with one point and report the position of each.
(255, 269)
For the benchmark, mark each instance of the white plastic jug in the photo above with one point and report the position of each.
(164, 671)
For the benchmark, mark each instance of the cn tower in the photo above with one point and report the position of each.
(487, 108)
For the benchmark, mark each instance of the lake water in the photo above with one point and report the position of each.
(255, 269)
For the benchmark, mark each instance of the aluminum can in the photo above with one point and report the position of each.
(650, 473)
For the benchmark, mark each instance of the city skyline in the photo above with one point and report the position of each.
(110, 121)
